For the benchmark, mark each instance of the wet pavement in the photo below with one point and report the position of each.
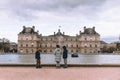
(70, 73)
(16, 59)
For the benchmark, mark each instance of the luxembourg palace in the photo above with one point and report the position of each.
(86, 42)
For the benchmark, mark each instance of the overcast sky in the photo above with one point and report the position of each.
(71, 15)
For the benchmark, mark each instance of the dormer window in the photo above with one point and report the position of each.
(26, 38)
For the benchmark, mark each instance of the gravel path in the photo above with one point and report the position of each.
(51, 73)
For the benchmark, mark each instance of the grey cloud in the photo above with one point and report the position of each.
(25, 8)
(110, 39)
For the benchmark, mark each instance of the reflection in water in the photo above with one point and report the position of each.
(49, 59)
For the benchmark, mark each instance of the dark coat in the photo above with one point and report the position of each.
(37, 55)
(65, 53)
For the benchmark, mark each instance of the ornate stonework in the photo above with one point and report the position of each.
(86, 42)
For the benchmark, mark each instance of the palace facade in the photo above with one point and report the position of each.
(86, 42)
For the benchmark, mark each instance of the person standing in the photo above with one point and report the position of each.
(57, 56)
(65, 55)
(38, 58)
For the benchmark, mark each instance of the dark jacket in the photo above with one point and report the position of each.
(65, 53)
(37, 55)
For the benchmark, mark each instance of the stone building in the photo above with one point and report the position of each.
(28, 40)
(117, 46)
(86, 42)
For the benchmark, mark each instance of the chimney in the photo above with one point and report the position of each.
(58, 30)
(37, 31)
(84, 28)
(40, 34)
(33, 28)
(63, 33)
(79, 32)
(23, 27)
(76, 34)
(94, 28)
(54, 33)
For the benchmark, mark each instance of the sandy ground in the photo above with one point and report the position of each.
(51, 73)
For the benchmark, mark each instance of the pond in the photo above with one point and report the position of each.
(49, 59)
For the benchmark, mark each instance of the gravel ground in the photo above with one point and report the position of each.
(51, 73)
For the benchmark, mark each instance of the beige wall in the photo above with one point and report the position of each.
(83, 43)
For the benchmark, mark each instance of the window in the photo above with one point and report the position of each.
(85, 51)
(44, 39)
(21, 50)
(77, 46)
(76, 50)
(21, 45)
(71, 45)
(50, 50)
(26, 50)
(40, 45)
(46, 45)
(45, 50)
(50, 45)
(32, 44)
(90, 45)
(76, 39)
(95, 45)
(41, 39)
(26, 38)
(26, 45)
(32, 50)
(71, 50)
(66, 39)
(66, 45)
(85, 45)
